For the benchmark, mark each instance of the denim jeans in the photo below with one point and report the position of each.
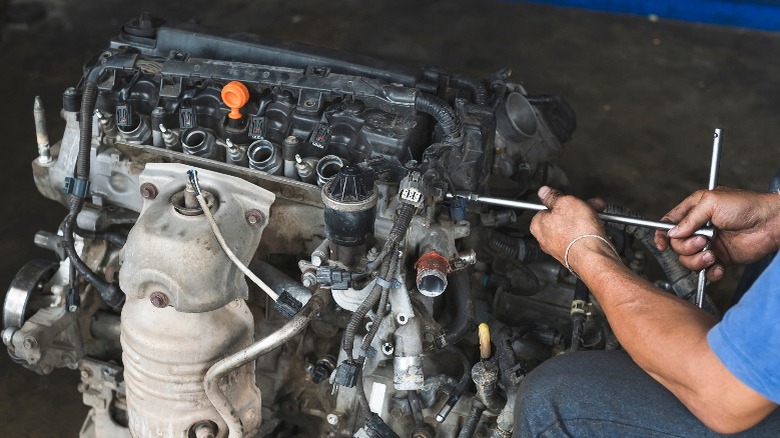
(605, 394)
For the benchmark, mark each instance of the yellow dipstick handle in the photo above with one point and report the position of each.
(484, 341)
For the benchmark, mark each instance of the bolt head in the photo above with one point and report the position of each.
(388, 348)
(30, 343)
(158, 299)
(68, 359)
(332, 419)
(255, 217)
(148, 191)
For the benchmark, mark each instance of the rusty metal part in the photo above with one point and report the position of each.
(203, 429)
(166, 353)
(255, 217)
(228, 365)
(179, 255)
(158, 299)
(182, 202)
(148, 191)
(282, 187)
(432, 270)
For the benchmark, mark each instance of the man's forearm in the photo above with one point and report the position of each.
(667, 337)
(655, 327)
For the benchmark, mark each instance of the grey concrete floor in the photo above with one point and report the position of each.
(648, 96)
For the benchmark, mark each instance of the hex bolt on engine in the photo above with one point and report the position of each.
(148, 191)
(158, 299)
(255, 217)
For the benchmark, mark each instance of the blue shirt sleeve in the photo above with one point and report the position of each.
(747, 340)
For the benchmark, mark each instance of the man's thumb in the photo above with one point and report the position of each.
(548, 196)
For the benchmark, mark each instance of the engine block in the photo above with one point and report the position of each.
(380, 302)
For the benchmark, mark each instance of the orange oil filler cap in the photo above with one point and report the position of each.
(235, 95)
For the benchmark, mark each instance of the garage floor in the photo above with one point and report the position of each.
(648, 96)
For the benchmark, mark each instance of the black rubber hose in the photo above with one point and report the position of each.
(477, 88)
(466, 364)
(501, 335)
(116, 239)
(675, 272)
(472, 419)
(577, 322)
(110, 292)
(524, 249)
(443, 113)
(416, 407)
(460, 295)
(667, 259)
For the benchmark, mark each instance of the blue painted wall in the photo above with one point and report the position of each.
(755, 14)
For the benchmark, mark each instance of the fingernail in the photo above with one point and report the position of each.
(709, 257)
(718, 272)
(543, 192)
(673, 232)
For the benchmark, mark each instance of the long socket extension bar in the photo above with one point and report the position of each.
(707, 232)
(713, 182)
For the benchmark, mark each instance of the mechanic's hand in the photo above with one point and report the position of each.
(747, 223)
(568, 218)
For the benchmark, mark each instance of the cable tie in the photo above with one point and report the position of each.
(392, 284)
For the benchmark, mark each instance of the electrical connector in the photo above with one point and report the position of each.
(76, 186)
(410, 189)
(336, 279)
(287, 305)
(346, 374)
(375, 428)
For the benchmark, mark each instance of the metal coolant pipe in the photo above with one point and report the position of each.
(242, 357)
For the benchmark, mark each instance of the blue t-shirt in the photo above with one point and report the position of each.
(747, 340)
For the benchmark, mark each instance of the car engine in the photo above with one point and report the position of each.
(381, 300)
